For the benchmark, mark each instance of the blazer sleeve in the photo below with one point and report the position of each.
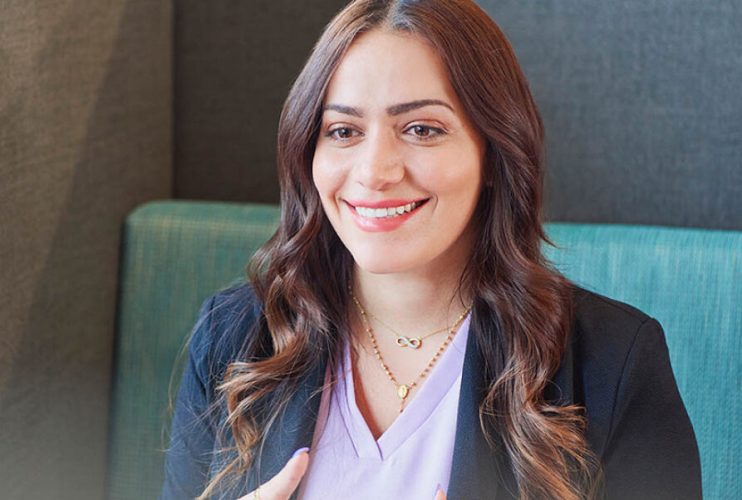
(651, 451)
(192, 434)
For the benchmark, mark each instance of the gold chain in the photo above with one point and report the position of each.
(413, 342)
(403, 390)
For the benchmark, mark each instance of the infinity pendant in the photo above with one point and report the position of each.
(413, 342)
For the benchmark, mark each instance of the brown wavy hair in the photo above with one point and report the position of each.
(305, 307)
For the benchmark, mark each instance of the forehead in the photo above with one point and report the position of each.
(382, 68)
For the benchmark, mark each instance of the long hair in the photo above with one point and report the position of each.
(305, 308)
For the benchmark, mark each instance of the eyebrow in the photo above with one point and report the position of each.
(394, 110)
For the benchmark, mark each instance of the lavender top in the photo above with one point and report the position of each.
(409, 460)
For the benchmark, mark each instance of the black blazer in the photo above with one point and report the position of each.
(616, 365)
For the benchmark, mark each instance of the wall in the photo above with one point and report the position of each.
(640, 101)
(234, 64)
(85, 136)
(641, 104)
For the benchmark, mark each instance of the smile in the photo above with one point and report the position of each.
(389, 212)
(383, 216)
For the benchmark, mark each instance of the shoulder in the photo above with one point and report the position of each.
(224, 324)
(606, 328)
(229, 308)
(612, 344)
(637, 422)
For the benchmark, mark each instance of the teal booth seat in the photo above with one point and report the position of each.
(175, 254)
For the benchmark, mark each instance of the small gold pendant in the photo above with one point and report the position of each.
(414, 342)
(402, 391)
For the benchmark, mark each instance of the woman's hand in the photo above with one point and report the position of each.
(440, 495)
(283, 484)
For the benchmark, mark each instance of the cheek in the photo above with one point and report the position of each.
(456, 176)
(467, 178)
(327, 177)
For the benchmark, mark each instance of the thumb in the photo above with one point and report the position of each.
(283, 484)
(439, 494)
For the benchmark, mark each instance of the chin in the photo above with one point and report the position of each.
(380, 262)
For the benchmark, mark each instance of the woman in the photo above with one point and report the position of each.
(402, 335)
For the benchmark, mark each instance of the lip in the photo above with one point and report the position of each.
(374, 225)
(394, 202)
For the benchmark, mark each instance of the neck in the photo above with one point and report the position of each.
(413, 302)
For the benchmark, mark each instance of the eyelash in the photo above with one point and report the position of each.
(437, 132)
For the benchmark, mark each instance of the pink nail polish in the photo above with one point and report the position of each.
(300, 450)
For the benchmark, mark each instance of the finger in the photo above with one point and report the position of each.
(283, 484)
(440, 495)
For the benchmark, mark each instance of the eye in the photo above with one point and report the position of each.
(425, 132)
(342, 133)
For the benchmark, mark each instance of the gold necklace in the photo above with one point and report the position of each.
(403, 390)
(413, 342)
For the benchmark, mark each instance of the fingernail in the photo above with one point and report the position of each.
(300, 450)
(439, 488)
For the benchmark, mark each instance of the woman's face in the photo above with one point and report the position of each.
(398, 165)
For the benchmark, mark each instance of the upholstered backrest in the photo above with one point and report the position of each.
(691, 281)
(176, 254)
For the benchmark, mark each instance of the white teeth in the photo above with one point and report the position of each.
(378, 213)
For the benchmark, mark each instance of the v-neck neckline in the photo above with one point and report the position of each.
(437, 384)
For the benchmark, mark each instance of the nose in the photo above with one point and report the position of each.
(380, 163)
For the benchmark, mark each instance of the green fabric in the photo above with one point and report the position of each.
(177, 253)
(691, 281)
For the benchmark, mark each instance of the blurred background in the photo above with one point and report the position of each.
(107, 105)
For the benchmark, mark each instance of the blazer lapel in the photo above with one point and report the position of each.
(477, 471)
(292, 430)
